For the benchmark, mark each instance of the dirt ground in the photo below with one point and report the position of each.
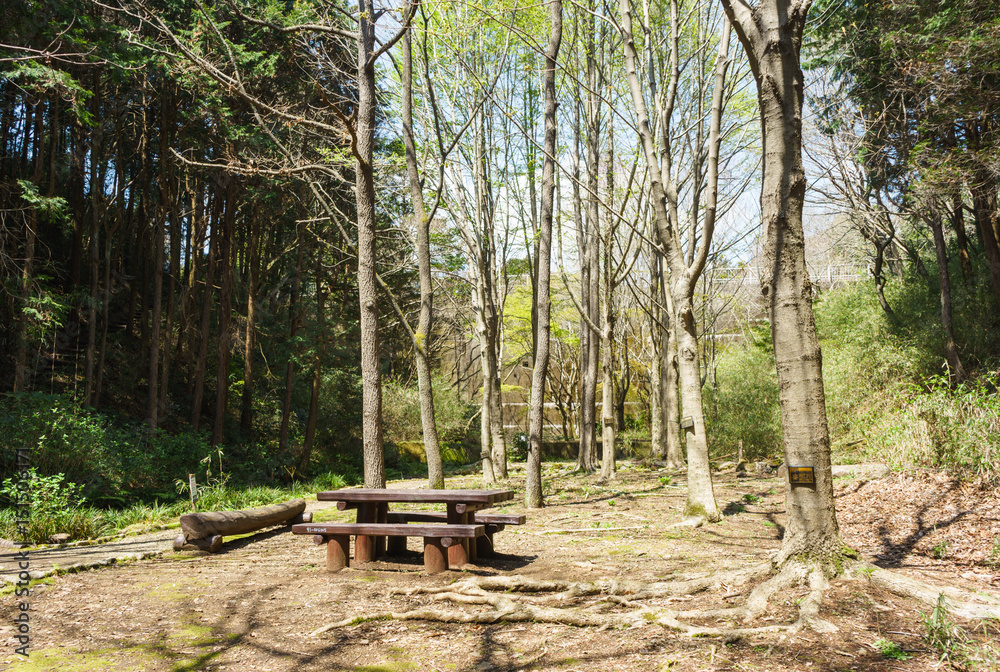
(254, 605)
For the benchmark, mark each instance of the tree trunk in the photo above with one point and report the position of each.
(961, 239)
(591, 274)
(317, 373)
(956, 371)
(225, 314)
(293, 319)
(657, 334)
(153, 405)
(371, 370)
(204, 325)
(701, 495)
(536, 420)
(422, 336)
(984, 205)
(771, 36)
(253, 254)
(671, 411)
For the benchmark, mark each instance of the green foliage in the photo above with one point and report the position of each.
(745, 405)
(891, 650)
(518, 450)
(54, 506)
(885, 390)
(401, 412)
(110, 459)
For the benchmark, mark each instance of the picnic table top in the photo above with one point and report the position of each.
(488, 497)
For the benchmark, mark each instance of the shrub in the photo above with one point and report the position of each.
(745, 404)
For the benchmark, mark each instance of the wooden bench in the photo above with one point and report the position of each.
(493, 522)
(337, 537)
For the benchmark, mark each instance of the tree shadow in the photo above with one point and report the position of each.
(893, 553)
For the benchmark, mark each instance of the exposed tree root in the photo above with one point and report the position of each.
(586, 604)
(627, 604)
(958, 602)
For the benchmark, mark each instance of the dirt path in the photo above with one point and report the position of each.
(254, 605)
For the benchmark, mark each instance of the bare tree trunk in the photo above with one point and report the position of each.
(253, 254)
(984, 205)
(657, 334)
(27, 269)
(956, 371)
(153, 405)
(204, 325)
(591, 275)
(96, 190)
(293, 319)
(422, 336)
(225, 314)
(317, 372)
(499, 444)
(683, 273)
(371, 370)
(771, 35)
(671, 411)
(961, 239)
(533, 472)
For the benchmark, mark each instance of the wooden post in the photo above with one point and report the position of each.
(364, 546)
(338, 552)
(484, 545)
(458, 554)
(435, 557)
(193, 490)
(396, 546)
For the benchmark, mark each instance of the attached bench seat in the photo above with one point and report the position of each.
(337, 537)
(494, 522)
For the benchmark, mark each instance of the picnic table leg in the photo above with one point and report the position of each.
(484, 545)
(435, 556)
(458, 554)
(380, 514)
(364, 546)
(338, 552)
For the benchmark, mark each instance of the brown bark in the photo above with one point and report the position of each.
(984, 205)
(956, 370)
(224, 349)
(250, 341)
(293, 320)
(317, 372)
(536, 411)
(205, 319)
(152, 404)
(771, 35)
(371, 372)
(210, 523)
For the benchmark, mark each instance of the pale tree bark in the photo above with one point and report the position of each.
(771, 34)
(422, 335)
(589, 239)
(684, 273)
(536, 412)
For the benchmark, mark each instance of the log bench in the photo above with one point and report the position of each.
(493, 522)
(204, 531)
(337, 537)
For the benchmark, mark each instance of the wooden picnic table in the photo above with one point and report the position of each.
(372, 505)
